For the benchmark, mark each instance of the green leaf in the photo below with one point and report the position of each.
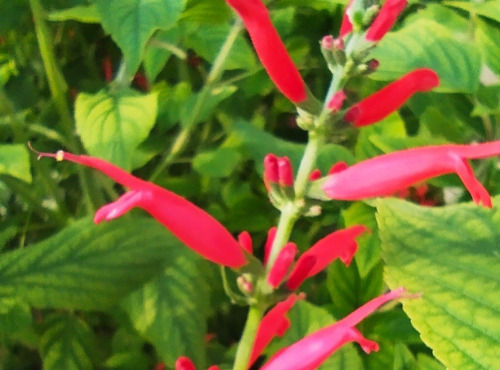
(207, 12)
(207, 40)
(15, 161)
(157, 54)
(171, 310)
(488, 101)
(132, 22)
(80, 13)
(220, 162)
(425, 43)
(487, 36)
(487, 8)
(113, 124)
(15, 315)
(449, 254)
(68, 343)
(87, 266)
(368, 254)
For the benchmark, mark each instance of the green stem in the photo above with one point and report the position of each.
(215, 73)
(245, 346)
(58, 88)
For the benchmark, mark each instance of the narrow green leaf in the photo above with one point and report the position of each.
(425, 43)
(449, 254)
(87, 266)
(171, 310)
(15, 161)
(68, 343)
(113, 124)
(80, 13)
(132, 22)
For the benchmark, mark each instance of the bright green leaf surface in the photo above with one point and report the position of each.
(87, 266)
(449, 254)
(487, 36)
(68, 343)
(425, 43)
(112, 125)
(132, 22)
(171, 310)
(217, 163)
(487, 8)
(15, 161)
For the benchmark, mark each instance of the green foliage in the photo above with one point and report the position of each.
(113, 124)
(15, 161)
(449, 255)
(85, 266)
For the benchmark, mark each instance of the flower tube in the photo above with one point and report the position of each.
(311, 351)
(270, 49)
(210, 239)
(388, 173)
(385, 19)
(385, 101)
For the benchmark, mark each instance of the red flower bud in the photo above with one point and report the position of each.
(245, 241)
(271, 172)
(385, 19)
(336, 101)
(316, 174)
(282, 264)
(285, 171)
(271, 234)
(390, 98)
(388, 173)
(270, 49)
(346, 26)
(184, 363)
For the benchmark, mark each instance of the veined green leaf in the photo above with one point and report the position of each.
(87, 266)
(15, 161)
(132, 22)
(487, 8)
(450, 255)
(171, 310)
(113, 124)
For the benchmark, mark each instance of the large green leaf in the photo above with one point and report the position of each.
(113, 124)
(449, 254)
(67, 343)
(158, 51)
(87, 266)
(487, 35)
(426, 43)
(132, 22)
(15, 161)
(171, 310)
(487, 8)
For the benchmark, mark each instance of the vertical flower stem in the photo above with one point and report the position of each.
(58, 89)
(244, 351)
(289, 215)
(213, 77)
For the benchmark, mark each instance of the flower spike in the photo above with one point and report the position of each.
(181, 217)
(388, 173)
(385, 19)
(270, 49)
(385, 101)
(311, 351)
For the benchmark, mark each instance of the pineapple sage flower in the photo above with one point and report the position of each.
(311, 351)
(388, 173)
(270, 49)
(210, 239)
(390, 98)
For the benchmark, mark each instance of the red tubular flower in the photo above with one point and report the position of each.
(311, 351)
(346, 26)
(270, 49)
(388, 173)
(271, 172)
(339, 244)
(211, 239)
(282, 264)
(385, 19)
(274, 323)
(390, 98)
(271, 234)
(245, 241)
